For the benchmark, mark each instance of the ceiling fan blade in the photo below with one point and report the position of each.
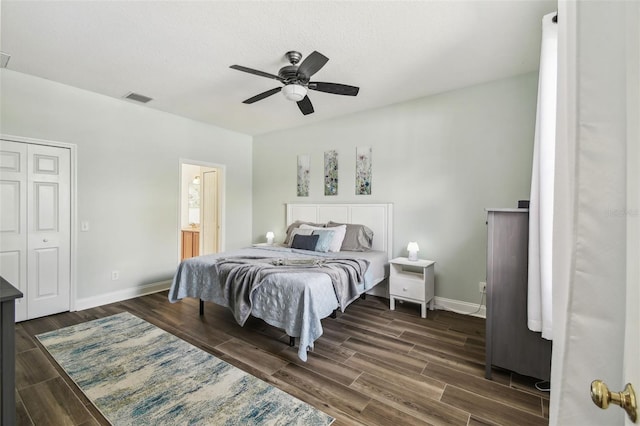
(255, 72)
(305, 106)
(262, 95)
(335, 88)
(311, 65)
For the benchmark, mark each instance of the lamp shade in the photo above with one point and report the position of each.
(413, 250)
(294, 92)
(270, 236)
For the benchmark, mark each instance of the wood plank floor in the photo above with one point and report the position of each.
(372, 366)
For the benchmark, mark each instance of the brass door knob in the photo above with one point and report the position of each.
(602, 396)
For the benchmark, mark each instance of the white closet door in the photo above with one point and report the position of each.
(13, 223)
(35, 226)
(49, 228)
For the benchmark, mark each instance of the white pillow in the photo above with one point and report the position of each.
(338, 235)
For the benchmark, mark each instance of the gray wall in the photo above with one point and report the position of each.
(440, 160)
(128, 176)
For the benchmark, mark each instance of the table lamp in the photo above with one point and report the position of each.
(413, 250)
(270, 236)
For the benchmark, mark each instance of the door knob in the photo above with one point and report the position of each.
(602, 396)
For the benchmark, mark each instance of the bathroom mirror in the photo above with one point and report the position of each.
(194, 202)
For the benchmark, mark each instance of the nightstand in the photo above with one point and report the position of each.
(412, 281)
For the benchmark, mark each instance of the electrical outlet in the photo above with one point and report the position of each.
(482, 287)
(115, 275)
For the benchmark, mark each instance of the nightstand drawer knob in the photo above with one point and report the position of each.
(404, 289)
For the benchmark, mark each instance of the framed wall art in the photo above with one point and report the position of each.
(303, 175)
(363, 170)
(331, 172)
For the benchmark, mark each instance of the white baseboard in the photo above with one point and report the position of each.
(117, 296)
(461, 307)
(443, 303)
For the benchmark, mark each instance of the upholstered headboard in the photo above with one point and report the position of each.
(378, 217)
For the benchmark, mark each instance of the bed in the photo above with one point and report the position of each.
(299, 296)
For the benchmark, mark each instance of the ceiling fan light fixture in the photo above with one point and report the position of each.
(296, 81)
(294, 92)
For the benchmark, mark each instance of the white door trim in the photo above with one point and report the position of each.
(74, 207)
(222, 184)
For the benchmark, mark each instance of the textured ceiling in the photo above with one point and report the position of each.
(178, 53)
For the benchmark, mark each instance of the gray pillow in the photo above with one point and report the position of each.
(294, 225)
(358, 237)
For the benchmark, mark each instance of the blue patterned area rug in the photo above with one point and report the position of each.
(136, 373)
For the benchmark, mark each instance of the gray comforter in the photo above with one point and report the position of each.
(239, 277)
(295, 302)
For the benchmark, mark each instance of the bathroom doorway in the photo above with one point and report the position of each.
(201, 209)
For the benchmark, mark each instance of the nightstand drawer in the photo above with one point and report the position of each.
(407, 285)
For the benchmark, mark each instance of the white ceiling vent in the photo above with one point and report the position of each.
(4, 59)
(137, 97)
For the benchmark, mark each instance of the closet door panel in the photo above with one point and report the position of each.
(10, 208)
(13, 223)
(49, 223)
(46, 199)
(47, 272)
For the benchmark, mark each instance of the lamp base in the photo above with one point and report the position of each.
(413, 256)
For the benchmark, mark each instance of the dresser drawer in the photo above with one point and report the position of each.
(407, 285)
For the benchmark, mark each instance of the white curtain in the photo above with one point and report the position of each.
(542, 185)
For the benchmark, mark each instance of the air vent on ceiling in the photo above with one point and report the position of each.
(4, 59)
(137, 97)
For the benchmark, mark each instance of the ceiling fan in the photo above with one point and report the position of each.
(296, 80)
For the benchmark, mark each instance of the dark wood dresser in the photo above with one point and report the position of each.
(8, 295)
(509, 342)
